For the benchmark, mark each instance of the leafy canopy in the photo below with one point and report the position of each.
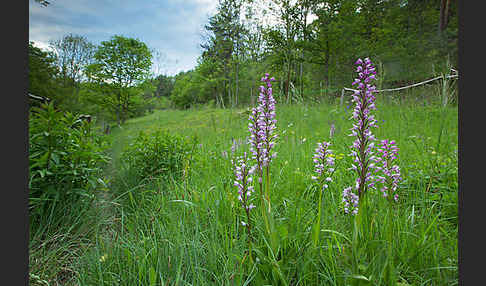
(121, 61)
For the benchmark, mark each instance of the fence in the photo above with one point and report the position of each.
(456, 75)
(43, 99)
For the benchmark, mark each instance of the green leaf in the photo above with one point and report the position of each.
(152, 276)
(187, 203)
(55, 158)
(360, 277)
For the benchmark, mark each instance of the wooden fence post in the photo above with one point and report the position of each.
(342, 97)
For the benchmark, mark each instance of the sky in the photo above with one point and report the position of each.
(174, 28)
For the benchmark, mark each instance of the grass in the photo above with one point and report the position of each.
(165, 232)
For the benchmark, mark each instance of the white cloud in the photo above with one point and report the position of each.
(43, 46)
(209, 6)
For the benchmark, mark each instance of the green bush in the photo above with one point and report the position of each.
(184, 94)
(158, 154)
(65, 159)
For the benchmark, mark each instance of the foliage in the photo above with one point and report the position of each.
(74, 52)
(195, 87)
(123, 63)
(309, 44)
(65, 159)
(184, 93)
(159, 154)
(164, 85)
(42, 72)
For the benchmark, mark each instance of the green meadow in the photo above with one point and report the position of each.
(188, 231)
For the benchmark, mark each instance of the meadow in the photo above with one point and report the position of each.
(186, 230)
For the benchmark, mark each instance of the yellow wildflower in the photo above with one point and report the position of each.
(104, 257)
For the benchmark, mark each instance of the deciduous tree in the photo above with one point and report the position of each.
(123, 63)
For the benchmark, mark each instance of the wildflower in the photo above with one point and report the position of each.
(266, 119)
(243, 178)
(104, 257)
(332, 130)
(234, 146)
(350, 201)
(391, 172)
(363, 145)
(323, 160)
(262, 127)
(323, 168)
(255, 139)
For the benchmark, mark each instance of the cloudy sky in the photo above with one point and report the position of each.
(172, 27)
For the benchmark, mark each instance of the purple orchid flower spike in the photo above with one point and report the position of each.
(390, 171)
(363, 146)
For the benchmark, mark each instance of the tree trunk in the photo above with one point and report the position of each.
(304, 12)
(230, 96)
(444, 15)
(301, 76)
(236, 83)
(287, 83)
(119, 108)
(320, 89)
(216, 97)
(237, 67)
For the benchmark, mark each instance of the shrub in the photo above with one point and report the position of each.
(158, 154)
(65, 159)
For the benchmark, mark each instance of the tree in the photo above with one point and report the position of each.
(42, 72)
(444, 15)
(123, 63)
(74, 52)
(282, 38)
(164, 85)
(224, 44)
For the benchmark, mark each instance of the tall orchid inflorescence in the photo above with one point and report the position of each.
(386, 163)
(323, 169)
(256, 142)
(262, 121)
(243, 181)
(350, 201)
(324, 164)
(363, 146)
(262, 125)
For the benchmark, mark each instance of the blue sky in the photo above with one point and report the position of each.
(172, 27)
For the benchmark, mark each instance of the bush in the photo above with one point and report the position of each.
(65, 159)
(158, 155)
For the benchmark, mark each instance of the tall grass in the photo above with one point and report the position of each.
(168, 232)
